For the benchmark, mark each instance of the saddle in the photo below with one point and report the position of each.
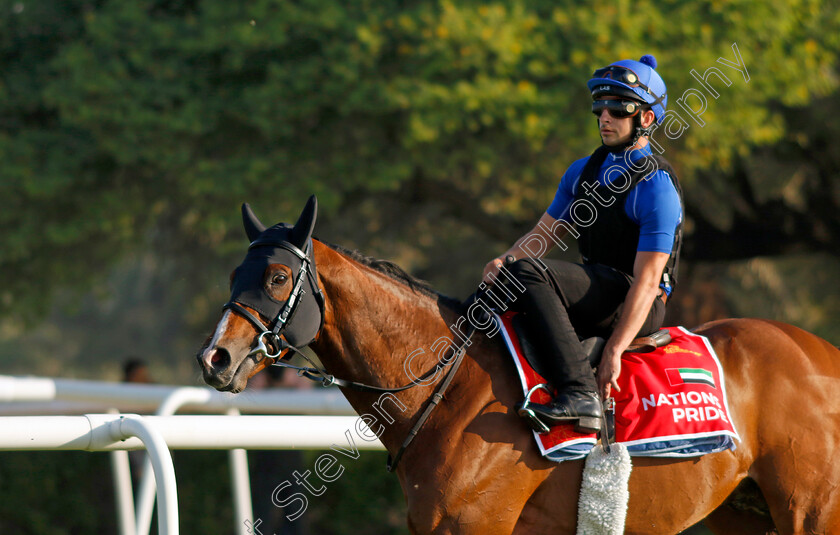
(593, 347)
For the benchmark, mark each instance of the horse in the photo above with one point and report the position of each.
(473, 467)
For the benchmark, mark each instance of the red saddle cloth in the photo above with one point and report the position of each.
(672, 401)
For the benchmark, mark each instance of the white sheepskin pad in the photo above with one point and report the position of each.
(602, 507)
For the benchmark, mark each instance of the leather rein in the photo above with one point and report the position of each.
(271, 335)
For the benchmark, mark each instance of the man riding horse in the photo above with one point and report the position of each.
(473, 468)
(624, 206)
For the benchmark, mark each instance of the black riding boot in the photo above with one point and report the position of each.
(581, 408)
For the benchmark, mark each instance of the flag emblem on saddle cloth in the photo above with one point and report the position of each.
(681, 376)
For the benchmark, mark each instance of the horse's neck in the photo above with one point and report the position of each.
(375, 327)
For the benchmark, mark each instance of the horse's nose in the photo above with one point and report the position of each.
(215, 360)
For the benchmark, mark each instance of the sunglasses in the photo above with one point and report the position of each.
(619, 109)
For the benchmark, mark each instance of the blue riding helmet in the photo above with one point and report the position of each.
(632, 79)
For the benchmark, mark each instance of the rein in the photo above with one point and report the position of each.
(319, 374)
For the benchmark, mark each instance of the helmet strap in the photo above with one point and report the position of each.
(638, 132)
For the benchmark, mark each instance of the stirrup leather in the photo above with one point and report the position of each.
(607, 433)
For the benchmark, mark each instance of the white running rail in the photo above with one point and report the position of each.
(27, 394)
(39, 395)
(158, 434)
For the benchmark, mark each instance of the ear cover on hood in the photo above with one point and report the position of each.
(305, 225)
(253, 226)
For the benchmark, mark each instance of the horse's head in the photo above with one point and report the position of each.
(275, 302)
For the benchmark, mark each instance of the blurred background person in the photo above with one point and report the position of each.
(136, 370)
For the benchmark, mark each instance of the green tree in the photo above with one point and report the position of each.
(125, 121)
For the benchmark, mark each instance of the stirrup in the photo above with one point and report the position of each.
(529, 415)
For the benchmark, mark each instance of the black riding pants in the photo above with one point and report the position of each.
(568, 302)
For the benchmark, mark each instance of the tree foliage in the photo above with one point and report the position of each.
(125, 123)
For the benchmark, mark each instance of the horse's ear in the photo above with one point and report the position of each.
(305, 223)
(253, 227)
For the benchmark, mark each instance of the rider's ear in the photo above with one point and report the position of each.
(648, 118)
(305, 223)
(253, 227)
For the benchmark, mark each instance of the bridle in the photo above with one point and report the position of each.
(274, 331)
(271, 336)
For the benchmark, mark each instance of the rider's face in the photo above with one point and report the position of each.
(614, 131)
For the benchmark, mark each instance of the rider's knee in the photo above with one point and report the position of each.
(524, 266)
(529, 270)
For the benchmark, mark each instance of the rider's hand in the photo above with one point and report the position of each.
(492, 268)
(608, 372)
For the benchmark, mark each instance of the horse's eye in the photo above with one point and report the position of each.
(279, 279)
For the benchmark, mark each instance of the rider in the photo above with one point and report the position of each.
(630, 246)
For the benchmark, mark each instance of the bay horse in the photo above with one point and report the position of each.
(474, 467)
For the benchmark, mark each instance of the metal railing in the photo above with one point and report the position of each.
(112, 432)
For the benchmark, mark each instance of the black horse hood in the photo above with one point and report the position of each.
(290, 246)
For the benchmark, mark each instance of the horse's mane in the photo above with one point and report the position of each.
(395, 272)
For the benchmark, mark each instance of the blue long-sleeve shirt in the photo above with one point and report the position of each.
(653, 204)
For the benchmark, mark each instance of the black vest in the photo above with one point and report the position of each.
(612, 238)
